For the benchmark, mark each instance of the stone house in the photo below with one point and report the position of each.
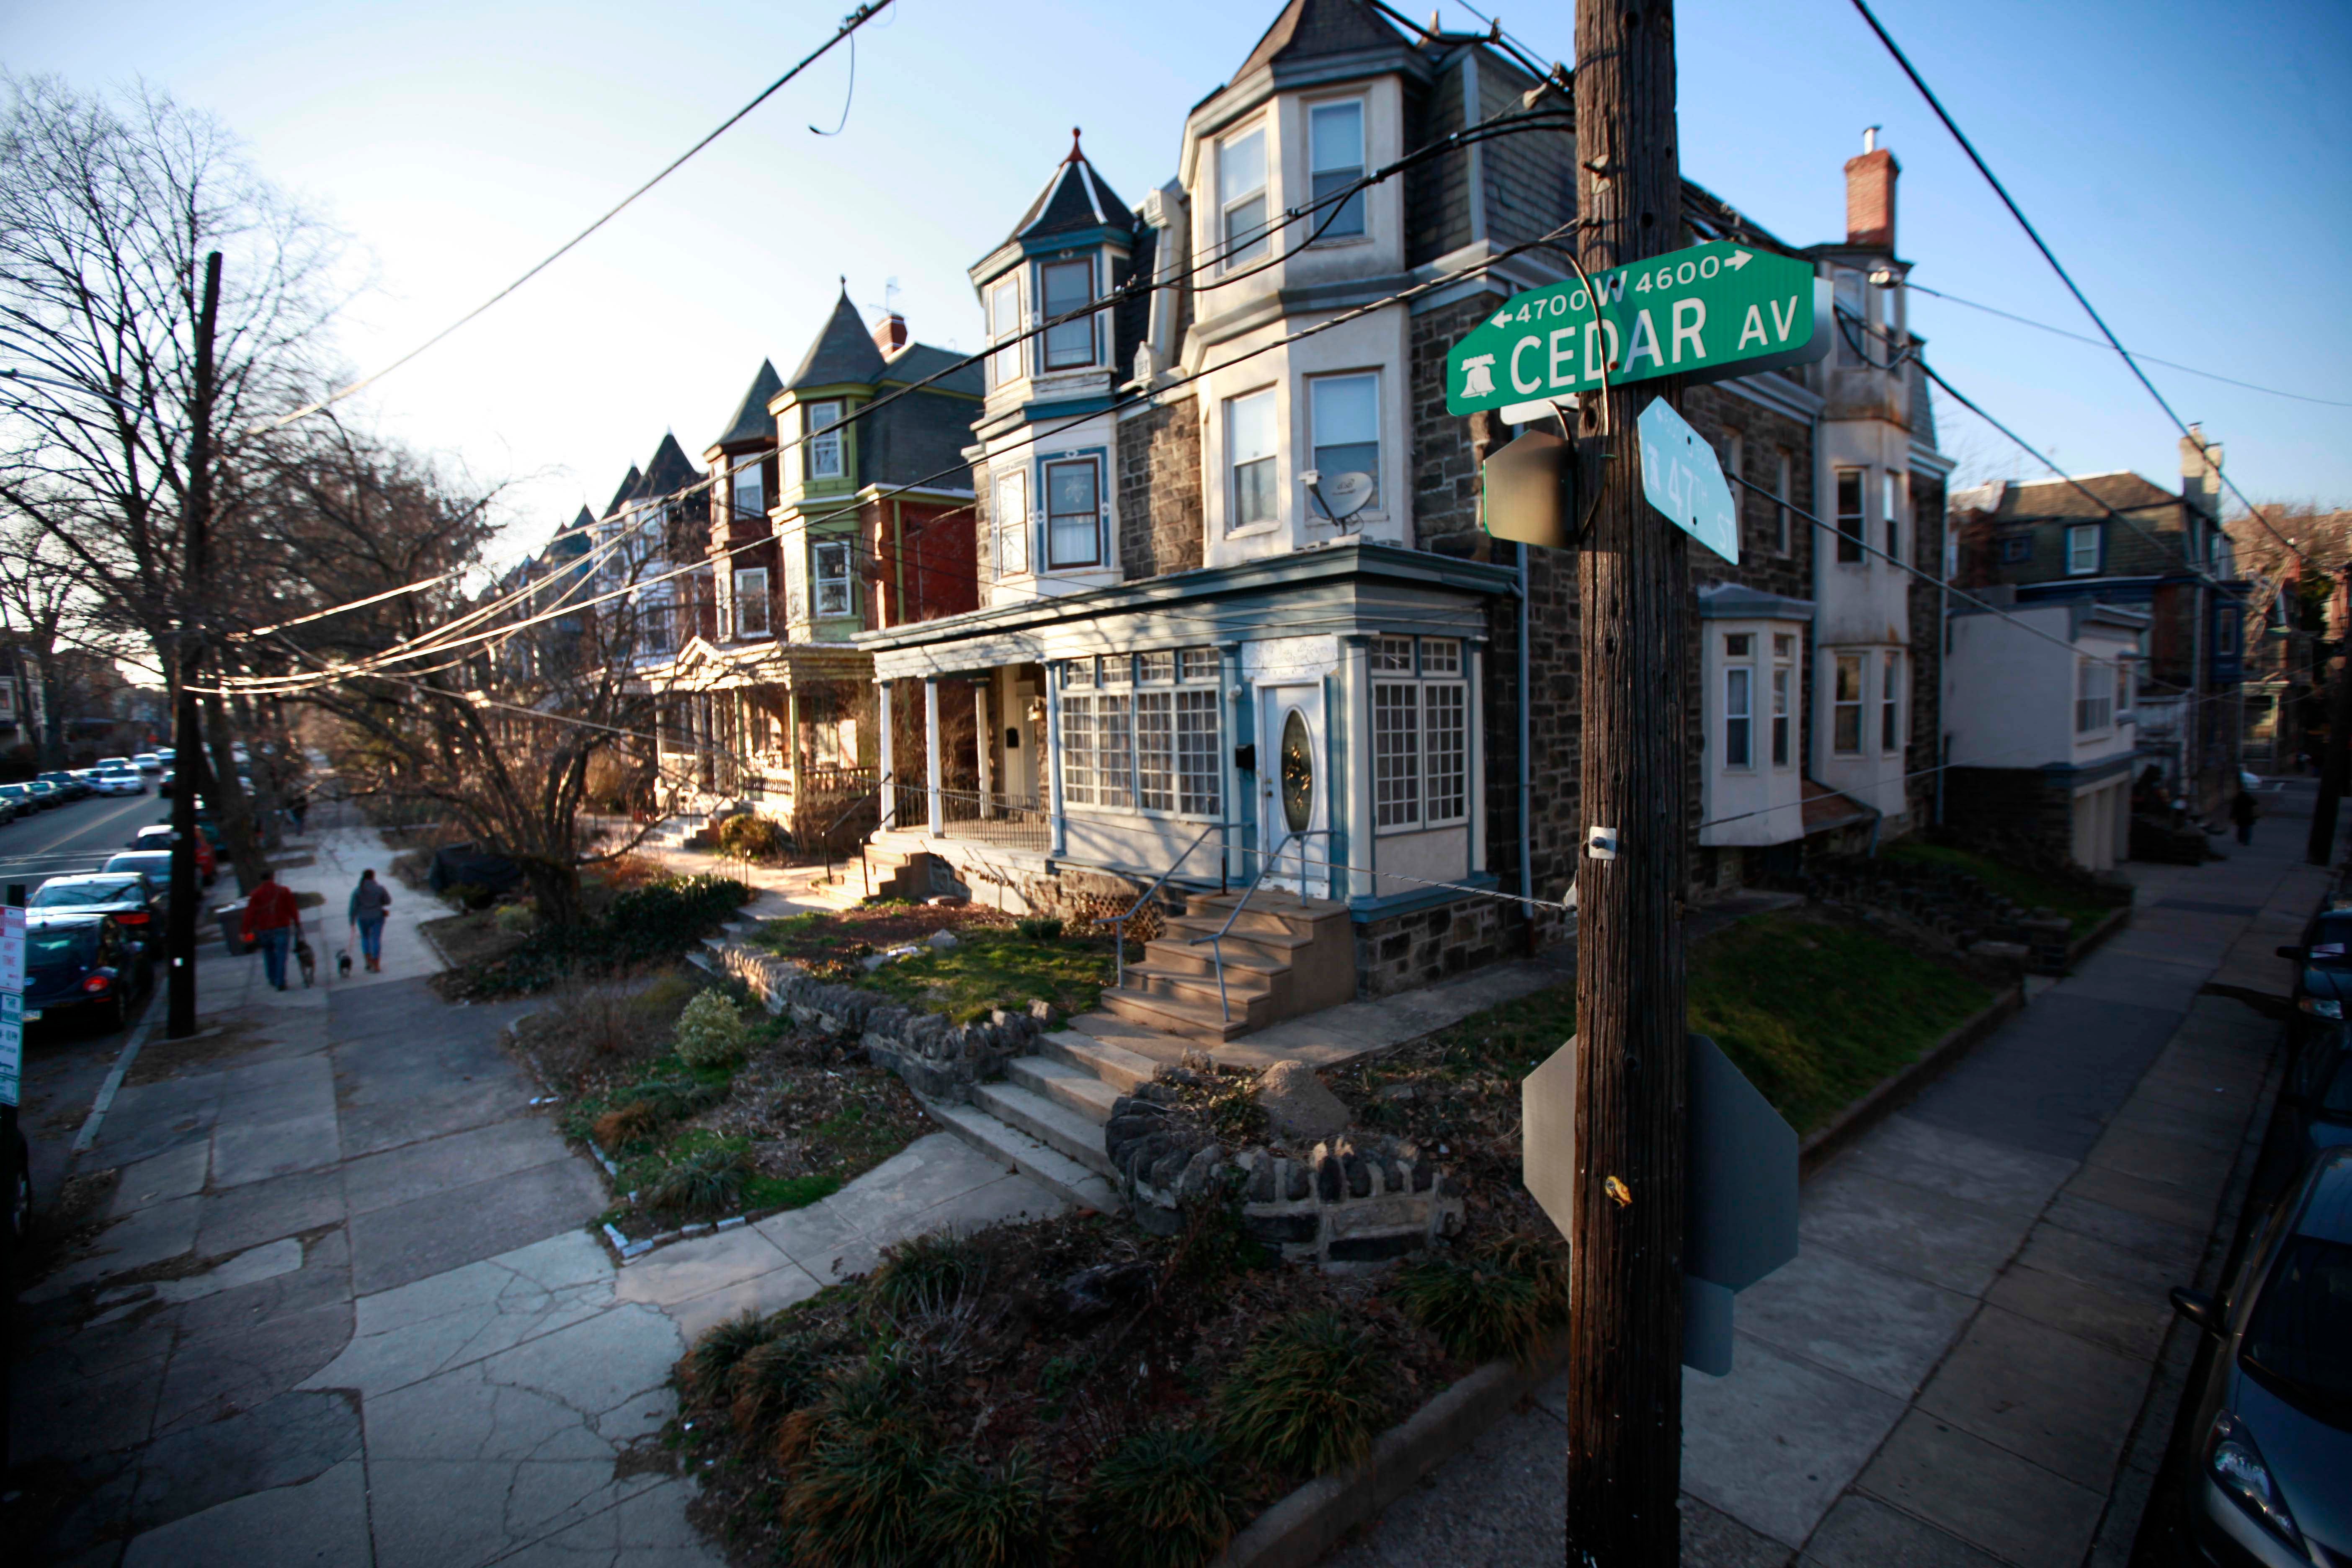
(1239, 618)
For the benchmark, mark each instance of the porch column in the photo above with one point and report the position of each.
(792, 746)
(986, 748)
(1237, 802)
(932, 754)
(1474, 723)
(888, 774)
(1050, 765)
(1355, 837)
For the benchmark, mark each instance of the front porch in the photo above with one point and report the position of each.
(784, 729)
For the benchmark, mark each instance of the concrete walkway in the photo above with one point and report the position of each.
(1972, 1361)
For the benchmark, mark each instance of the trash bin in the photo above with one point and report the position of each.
(232, 926)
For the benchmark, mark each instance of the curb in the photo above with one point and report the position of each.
(1895, 1091)
(1297, 1530)
(2096, 937)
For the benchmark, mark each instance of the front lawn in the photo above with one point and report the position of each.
(2081, 907)
(1814, 1012)
(995, 962)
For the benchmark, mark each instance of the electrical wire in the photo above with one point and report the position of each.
(865, 11)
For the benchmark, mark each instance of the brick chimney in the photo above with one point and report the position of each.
(1869, 195)
(890, 336)
(2201, 472)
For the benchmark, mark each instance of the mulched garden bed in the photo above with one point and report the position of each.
(1073, 1391)
(997, 961)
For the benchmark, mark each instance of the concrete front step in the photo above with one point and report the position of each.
(1183, 955)
(1252, 998)
(1073, 1183)
(1275, 946)
(1174, 1016)
(1117, 1065)
(1051, 1123)
(1125, 1034)
(1070, 1086)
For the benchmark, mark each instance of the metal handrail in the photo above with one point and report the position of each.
(1118, 925)
(824, 838)
(1216, 939)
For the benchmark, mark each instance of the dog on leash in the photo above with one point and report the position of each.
(344, 964)
(308, 960)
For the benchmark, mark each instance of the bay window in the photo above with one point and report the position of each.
(1250, 448)
(1344, 412)
(1420, 736)
(1073, 514)
(1241, 196)
(1068, 286)
(1845, 706)
(1012, 523)
(1004, 326)
(829, 578)
(1335, 138)
(1890, 704)
(820, 424)
(751, 602)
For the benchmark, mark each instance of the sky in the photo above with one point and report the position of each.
(2196, 178)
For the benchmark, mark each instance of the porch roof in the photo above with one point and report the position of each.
(1347, 587)
(703, 666)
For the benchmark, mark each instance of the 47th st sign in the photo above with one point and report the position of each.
(1713, 311)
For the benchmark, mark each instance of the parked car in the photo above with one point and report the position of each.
(48, 793)
(84, 966)
(130, 897)
(2323, 981)
(11, 808)
(2273, 1426)
(148, 762)
(159, 836)
(118, 781)
(155, 863)
(2314, 1109)
(163, 783)
(109, 764)
(66, 782)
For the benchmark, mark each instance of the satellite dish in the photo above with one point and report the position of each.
(1341, 496)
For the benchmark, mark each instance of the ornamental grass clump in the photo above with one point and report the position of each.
(925, 1273)
(1509, 1298)
(861, 1495)
(1000, 1516)
(718, 1352)
(1165, 1497)
(1309, 1395)
(708, 1182)
(711, 1034)
(774, 1377)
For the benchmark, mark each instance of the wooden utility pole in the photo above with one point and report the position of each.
(1625, 1314)
(188, 756)
(2336, 761)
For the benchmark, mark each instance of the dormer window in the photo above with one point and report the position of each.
(1241, 196)
(821, 423)
(1068, 286)
(1335, 137)
(1004, 326)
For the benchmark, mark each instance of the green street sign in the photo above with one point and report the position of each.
(1714, 310)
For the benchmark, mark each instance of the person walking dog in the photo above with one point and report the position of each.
(369, 902)
(272, 920)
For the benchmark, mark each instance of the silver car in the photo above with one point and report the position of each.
(2271, 1481)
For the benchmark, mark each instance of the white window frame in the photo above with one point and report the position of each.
(1070, 330)
(1416, 765)
(2095, 703)
(1856, 538)
(1739, 717)
(1890, 698)
(749, 586)
(821, 582)
(1315, 444)
(1004, 326)
(1351, 221)
(1152, 746)
(1234, 520)
(1054, 560)
(1890, 502)
(1231, 202)
(1842, 705)
(2078, 534)
(1012, 523)
(1783, 715)
(825, 453)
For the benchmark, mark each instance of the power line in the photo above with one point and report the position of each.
(865, 11)
(1918, 288)
(2081, 299)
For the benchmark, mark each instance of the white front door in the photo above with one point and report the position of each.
(1294, 795)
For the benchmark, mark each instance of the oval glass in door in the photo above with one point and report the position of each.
(1297, 764)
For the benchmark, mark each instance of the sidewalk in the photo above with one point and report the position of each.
(1955, 1368)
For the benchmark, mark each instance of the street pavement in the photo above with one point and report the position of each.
(1972, 1361)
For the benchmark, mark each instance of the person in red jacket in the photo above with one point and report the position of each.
(272, 920)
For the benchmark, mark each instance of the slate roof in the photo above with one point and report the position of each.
(631, 487)
(845, 351)
(1309, 27)
(753, 422)
(2123, 491)
(670, 469)
(1075, 199)
(583, 520)
(915, 361)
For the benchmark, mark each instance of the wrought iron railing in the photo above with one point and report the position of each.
(1118, 924)
(1216, 939)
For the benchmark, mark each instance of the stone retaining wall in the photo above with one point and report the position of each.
(937, 1058)
(1349, 1204)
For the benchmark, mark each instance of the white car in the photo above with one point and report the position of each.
(148, 762)
(117, 780)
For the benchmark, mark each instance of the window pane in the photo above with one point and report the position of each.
(749, 499)
(1345, 411)
(1848, 514)
(1891, 703)
(1736, 717)
(1250, 432)
(832, 579)
(1012, 523)
(1155, 668)
(1199, 780)
(1846, 717)
(1336, 131)
(1890, 510)
(1738, 645)
(751, 602)
(1004, 321)
(1155, 750)
(1781, 717)
(1441, 656)
(1077, 749)
(2083, 549)
(1069, 286)
(1115, 751)
(1446, 765)
(1241, 196)
(1396, 784)
(1073, 534)
(824, 449)
(1391, 654)
(1197, 664)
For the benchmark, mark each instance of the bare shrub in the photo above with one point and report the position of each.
(594, 1029)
